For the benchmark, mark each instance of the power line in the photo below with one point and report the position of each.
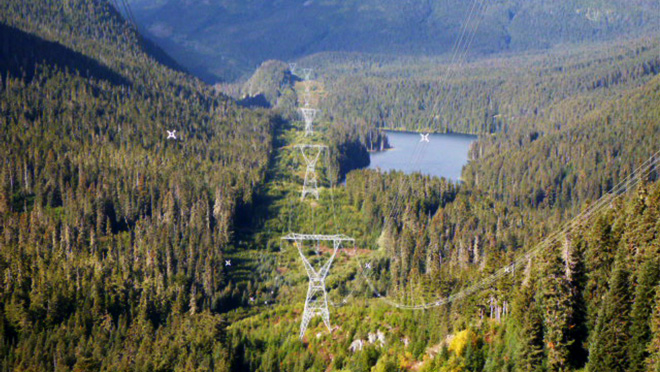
(394, 209)
(459, 53)
(317, 284)
(603, 202)
(127, 12)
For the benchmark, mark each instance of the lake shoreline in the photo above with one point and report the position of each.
(444, 156)
(395, 130)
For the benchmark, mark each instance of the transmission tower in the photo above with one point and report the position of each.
(309, 114)
(316, 302)
(292, 68)
(311, 184)
(307, 73)
(308, 99)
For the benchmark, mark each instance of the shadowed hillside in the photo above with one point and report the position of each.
(225, 39)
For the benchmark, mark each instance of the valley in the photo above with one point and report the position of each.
(142, 210)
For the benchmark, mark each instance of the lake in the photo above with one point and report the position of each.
(443, 156)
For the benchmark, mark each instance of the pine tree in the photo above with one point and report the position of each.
(653, 349)
(611, 336)
(599, 258)
(530, 354)
(555, 298)
(578, 332)
(640, 316)
(4, 199)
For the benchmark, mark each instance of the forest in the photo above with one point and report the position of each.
(124, 250)
(221, 41)
(430, 239)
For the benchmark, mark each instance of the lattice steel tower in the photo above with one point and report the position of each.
(307, 73)
(311, 186)
(308, 99)
(309, 114)
(316, 303)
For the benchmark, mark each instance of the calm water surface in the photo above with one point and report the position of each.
(443, 156)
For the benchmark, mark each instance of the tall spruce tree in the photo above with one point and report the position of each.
(599, 257)
(555, 297)
(653, 348)
(530, 352)
(640, 315)
(609, 345)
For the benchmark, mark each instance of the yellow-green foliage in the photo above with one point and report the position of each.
(460, 341)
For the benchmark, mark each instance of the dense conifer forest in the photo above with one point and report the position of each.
(124, 250)
(112, 233)
(222, 40)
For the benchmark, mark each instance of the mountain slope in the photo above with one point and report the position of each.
(223, 39)
(112, 235)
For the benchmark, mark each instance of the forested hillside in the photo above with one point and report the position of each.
(488, 96)
(111, 234)
(222, 40)
(126, 246)
(588, 303)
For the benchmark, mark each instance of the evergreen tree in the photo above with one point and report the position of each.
(555, 298)
(576, 275)
(599, 257)
(640, 316)
(611, 337)
(653, 348)
(530, 334)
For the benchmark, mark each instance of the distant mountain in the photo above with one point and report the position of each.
(222, 39)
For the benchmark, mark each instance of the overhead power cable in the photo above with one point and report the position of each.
(642, 172)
